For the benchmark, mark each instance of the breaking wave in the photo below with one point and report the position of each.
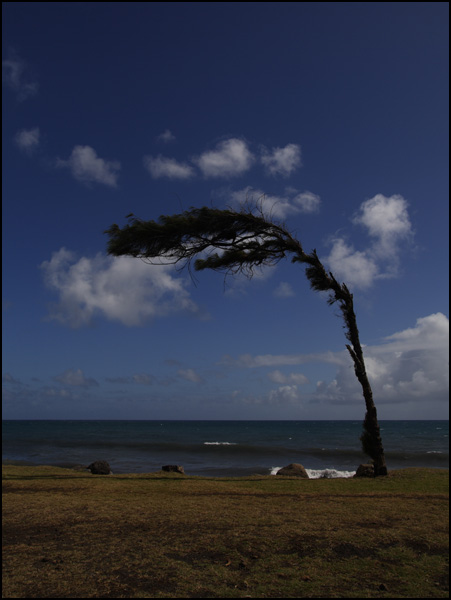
(220, 444)
(321, 473)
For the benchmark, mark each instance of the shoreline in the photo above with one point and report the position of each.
(327, 473)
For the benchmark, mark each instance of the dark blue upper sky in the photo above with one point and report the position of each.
(334, 114)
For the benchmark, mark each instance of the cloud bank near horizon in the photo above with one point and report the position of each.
(408, 366)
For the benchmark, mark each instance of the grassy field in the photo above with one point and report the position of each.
(69, 534)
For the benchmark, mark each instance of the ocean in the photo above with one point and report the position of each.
(222, 448)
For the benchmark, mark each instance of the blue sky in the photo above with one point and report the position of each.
(333, 114)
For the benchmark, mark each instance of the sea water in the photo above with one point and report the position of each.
(223, 448)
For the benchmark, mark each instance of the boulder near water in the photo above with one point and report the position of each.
(100, 467)
(293, 470)
(173, 469)
(366, 470)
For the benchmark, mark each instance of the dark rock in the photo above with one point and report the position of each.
(100, 467)
(173, 469)
(293, 470)
(366, 470)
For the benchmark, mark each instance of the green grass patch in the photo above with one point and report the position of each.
(69, 534)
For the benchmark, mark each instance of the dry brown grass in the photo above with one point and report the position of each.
(76, 535)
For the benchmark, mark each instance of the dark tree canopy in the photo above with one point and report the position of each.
(243, 239)
(235, 242)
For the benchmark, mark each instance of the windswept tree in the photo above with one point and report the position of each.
(236, 242)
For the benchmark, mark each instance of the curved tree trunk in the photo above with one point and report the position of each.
(323, 281)
(371, 437)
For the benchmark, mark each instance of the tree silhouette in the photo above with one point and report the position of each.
(236, 242)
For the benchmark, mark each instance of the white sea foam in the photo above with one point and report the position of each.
(219, 444)
(321, 473)
(328, 473)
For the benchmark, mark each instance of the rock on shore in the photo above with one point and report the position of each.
(174, 469)
(366, 470)
(293, 470)
(100, 467)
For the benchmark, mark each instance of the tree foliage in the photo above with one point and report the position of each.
(236, 242)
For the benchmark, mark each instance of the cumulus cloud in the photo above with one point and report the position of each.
(409, 366)
(387, 221)
(75, 378)
(306, 202)
(161, 166)
(16, 76)
(283, 396)
(294, 378)
(388, 225)
(231, 157)
(429, 332)
(280, 207)
(122, 289)
(27, 139)
(357, 269)
(190, 375)
(166, 137)
(88, 168)
(286, 394)
(282, 161)
(283, 290)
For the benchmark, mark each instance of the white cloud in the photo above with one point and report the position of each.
(387, 220)
(27, 139)
(286, 394)
(123, 289)
(166, 137)
(190, 375)
(430, 332)
(277, 360)
(143, 379)
(87, 167)
(284, 290)
(357, 269)
(161, 166)
(231, 157)
(75, 378)
(306, 202)
(279, 207)
(409, 368)
(282, 161)
(16, 77)
(52, 392)
(279, 377)
(388, 224)
(410, 365)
